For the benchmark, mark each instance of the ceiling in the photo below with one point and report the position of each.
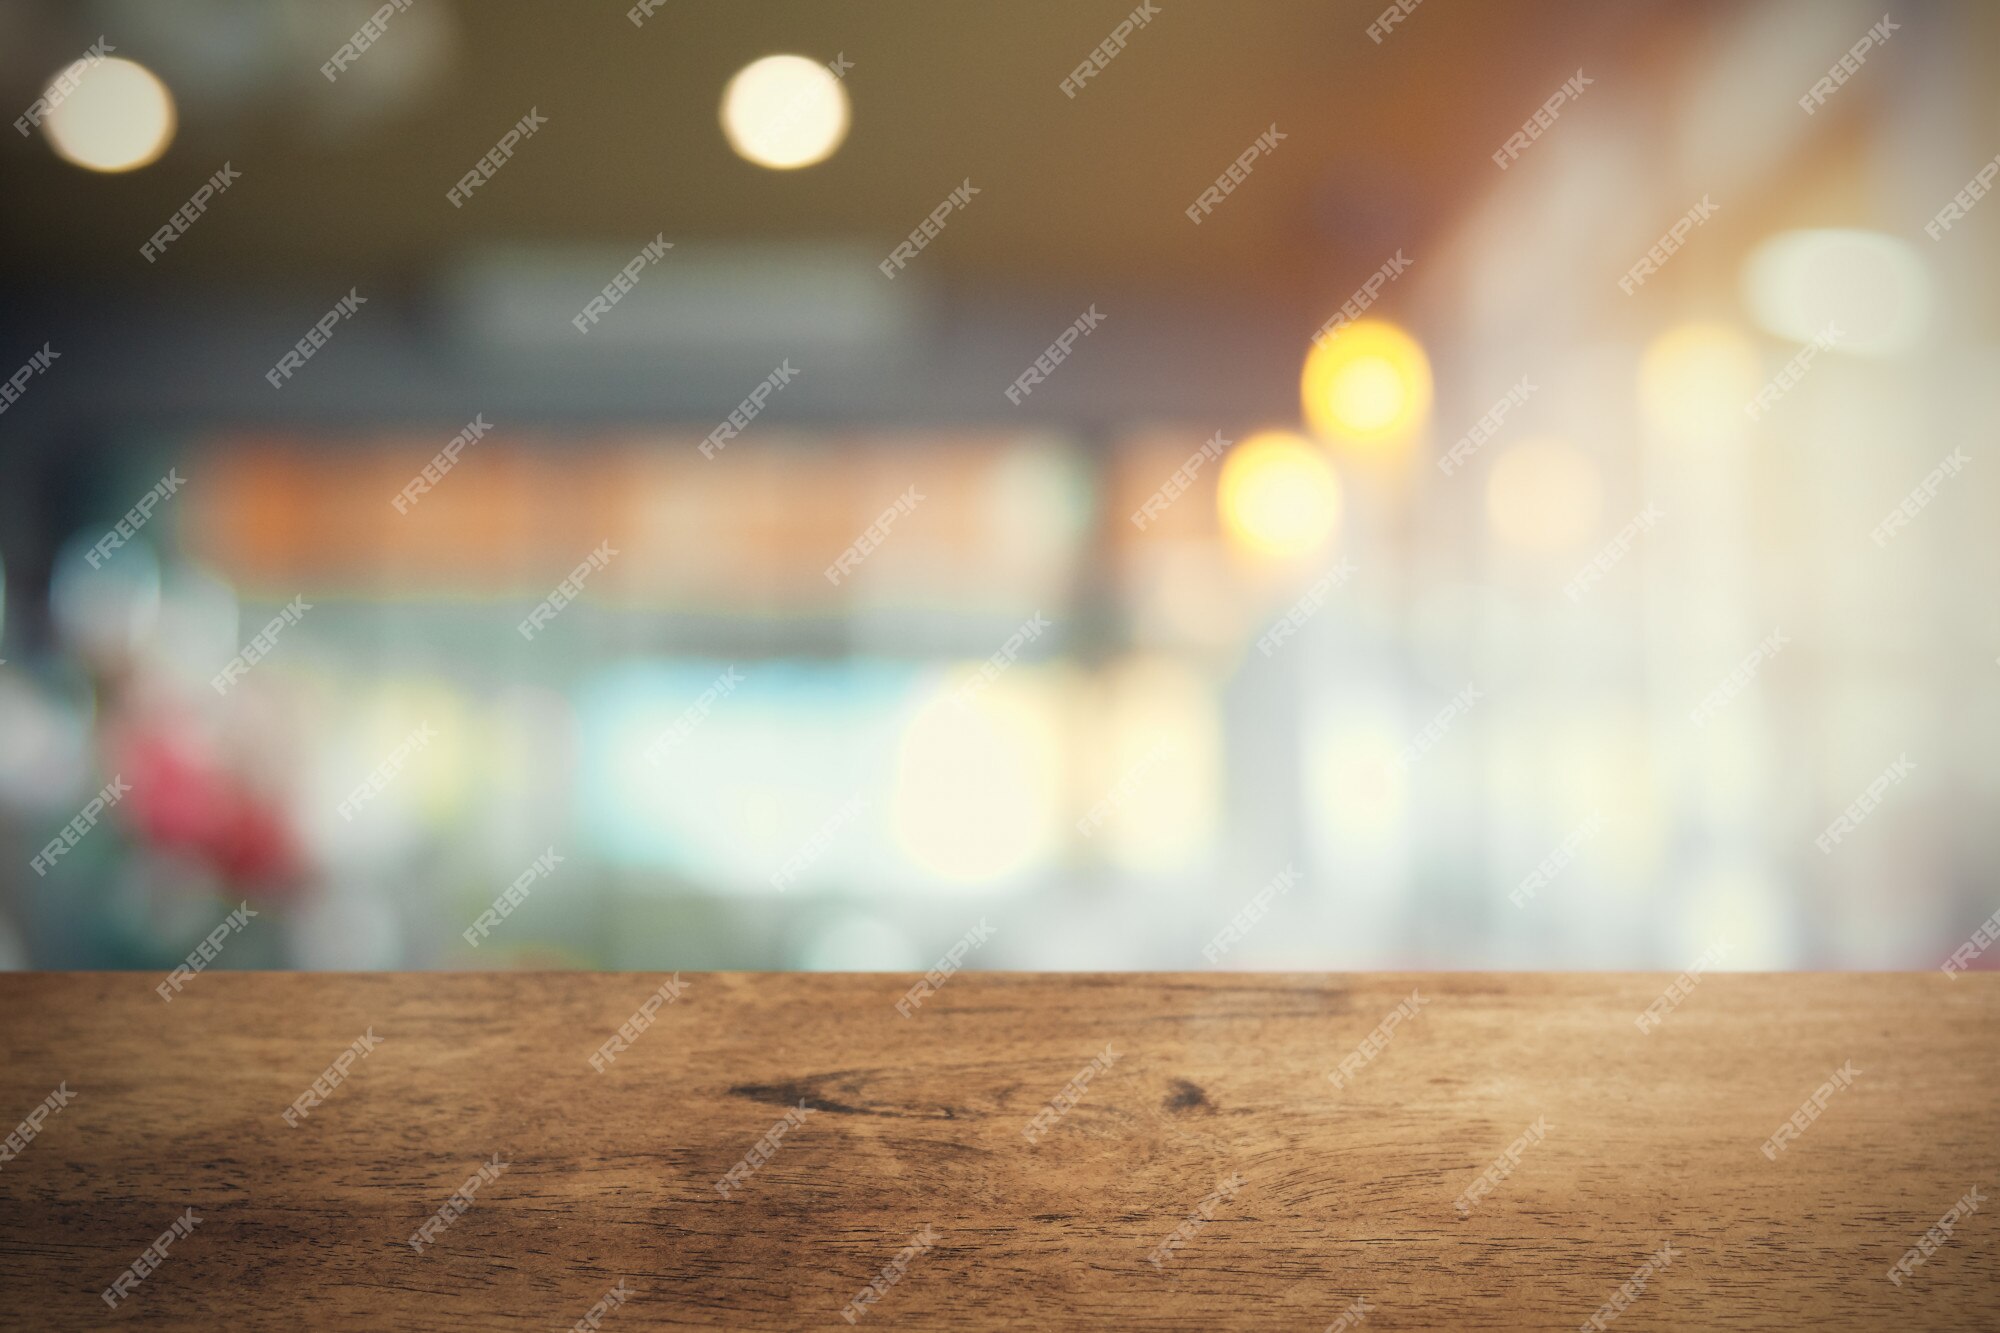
(1384, 143)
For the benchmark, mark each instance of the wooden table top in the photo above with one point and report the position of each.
(1103, 1151)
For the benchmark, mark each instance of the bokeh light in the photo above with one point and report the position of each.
(1369, 384)
(1156, 741)
(784, 112)
(103, 613)
(976, 785)
(118, 117)
(1872, 287)
(1355, 791)
(1543, 495)
(1694, 380)
(1278, 495)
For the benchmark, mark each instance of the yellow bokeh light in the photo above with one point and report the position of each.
(1278, 495)
(1543, 495)
(1370, 383)
(784, 112)
(1694, 381)
(117, 117)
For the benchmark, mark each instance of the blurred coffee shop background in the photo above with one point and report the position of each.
(1642, 672)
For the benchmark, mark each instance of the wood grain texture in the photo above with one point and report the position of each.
(1346, 1192)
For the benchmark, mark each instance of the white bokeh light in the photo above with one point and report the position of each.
(1874, 288)
(117, 117)
(784, 112)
